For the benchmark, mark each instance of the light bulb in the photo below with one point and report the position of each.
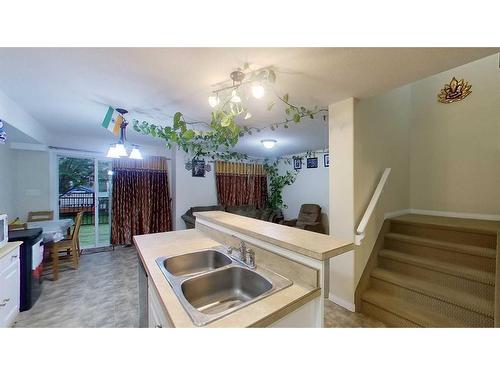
(248, 115)
(135, 153)
(235, 98)
(268, 143)
(112, 152)
(258, 91)
(120, 150)
(213, 100)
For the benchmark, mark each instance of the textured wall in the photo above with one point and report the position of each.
(455, 148)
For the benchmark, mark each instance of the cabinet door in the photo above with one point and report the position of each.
(10, 294)
(156, 315)
(153, 319)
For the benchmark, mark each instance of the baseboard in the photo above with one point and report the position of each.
(389, 215)
(342, 302)
(460, 215)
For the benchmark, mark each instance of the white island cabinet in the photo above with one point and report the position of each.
(9, 283)
(157, 318)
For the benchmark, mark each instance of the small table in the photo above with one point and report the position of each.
(53, 230)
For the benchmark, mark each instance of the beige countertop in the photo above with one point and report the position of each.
(9, 247)
(314, 245)
(261, 313)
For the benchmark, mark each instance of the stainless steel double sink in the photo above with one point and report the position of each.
(211, 284)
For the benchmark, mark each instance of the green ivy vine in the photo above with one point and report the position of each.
(215, 143)
(277, 183)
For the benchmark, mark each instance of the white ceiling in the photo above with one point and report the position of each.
(67, 90)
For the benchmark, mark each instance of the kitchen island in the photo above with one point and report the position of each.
(299, 256)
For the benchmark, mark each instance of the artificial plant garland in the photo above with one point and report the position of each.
(223, 132)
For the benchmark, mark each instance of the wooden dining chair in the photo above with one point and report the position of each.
(40, 215)
(17, 224)
(66, 250)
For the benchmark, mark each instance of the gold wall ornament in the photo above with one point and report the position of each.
(454, 91)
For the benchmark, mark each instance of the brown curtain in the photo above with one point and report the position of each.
(241, 184)
(141, 199)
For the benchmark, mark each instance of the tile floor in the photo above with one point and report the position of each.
(338, 317)
(103, 293)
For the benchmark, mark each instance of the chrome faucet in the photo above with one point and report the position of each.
(251, 258)
(244, 251)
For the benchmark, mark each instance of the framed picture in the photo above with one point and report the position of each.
(297, 163)
(326, 160)
(312, 162)
(198, 168)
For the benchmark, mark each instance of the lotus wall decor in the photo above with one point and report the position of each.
(454, 91)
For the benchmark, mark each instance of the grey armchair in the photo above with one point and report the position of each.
(309, 219)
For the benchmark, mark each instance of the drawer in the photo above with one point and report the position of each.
(8, 259)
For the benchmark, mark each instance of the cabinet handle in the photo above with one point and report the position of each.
(6, 300)
(14, 256)
(3, 304)
(159, 326)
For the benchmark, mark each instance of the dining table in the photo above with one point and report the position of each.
(52, 230)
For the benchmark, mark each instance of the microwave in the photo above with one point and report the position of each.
(4, 231)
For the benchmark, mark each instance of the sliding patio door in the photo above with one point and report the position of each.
(85, 185)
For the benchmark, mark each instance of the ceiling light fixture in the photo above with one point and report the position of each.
(213, 100)
(112, 152)
(118, 150)
(235, 98)
(269, 143)
(135, 153)
(258, 91)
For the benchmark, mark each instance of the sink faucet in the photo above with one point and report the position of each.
(244, 251)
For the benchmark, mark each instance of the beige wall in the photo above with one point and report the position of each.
(376, 137)
(341, 144)
(381, 140)
(24, 182)
(455, 148)
(32, 188)
(7, 181)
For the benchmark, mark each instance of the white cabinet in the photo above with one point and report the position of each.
(157, 317)
(9, 286)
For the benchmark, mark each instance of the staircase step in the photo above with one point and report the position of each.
(484, 277)
(464, 231)
(406, 313)
(439, 292)
(445, 245)
(476, 257)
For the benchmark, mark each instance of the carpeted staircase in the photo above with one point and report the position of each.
(433, 272)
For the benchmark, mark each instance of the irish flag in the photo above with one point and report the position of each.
(112, 121)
